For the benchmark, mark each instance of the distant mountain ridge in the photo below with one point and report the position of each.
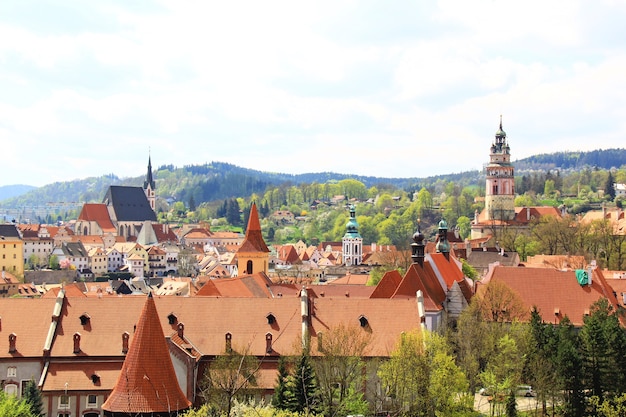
(219, 180)
(8, 191)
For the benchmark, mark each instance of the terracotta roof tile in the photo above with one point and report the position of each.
(147, 382)
(78, 376)
(553, 290)
(253, 242)
(30, 333)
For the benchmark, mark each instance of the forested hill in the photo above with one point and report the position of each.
(218, 180)
(208, 182)
(601, 158)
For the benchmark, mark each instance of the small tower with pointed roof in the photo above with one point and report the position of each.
(417, 247)
(253, 254)
(149, 186)
(500, 181)
(443, 246)
(147, 384)
(352, 242)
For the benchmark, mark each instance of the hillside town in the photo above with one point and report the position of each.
(140, 311)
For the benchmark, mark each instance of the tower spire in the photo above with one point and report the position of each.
(149, 186)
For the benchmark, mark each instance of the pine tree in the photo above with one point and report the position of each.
(279, 399)
(303, 393)
(32, 396)
(609, 190)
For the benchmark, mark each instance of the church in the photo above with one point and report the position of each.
(123, 212)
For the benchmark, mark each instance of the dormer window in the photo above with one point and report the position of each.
(271, 319)
(363, 321)
(229, 339)
(172, 319)
(95, 378)
(84, 319)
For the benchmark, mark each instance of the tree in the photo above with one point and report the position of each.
(279, 399)
(11, 406)
(53, 262)
(498, 303)
(339, 367)
(609, 188)
(32, 396)
(303, 394)
(228, 377)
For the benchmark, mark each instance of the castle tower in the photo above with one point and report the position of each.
(253, 254)
(500, 182)
(147, 384)
(352, 241)
(149, 186)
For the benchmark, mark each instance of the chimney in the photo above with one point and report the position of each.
(527, 214)
(12, 340)
(125, 337)
(304, 308)
(76, 343)
(590, 274)
(181, 330)
(420, 309)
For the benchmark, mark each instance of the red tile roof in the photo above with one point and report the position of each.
(97, 212)
(29, 319)
(78, 376)
(551, 291)
(253, 242)
(147, 382)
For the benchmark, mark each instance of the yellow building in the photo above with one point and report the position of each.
(11, 250)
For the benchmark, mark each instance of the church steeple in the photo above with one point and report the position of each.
(253, 254)
(352, 241)
(149, 186)
(443, 246)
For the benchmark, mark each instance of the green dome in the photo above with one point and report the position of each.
(443, 224)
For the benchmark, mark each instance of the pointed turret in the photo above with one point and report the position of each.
(147, 384)
(253, 254)
(149, 186)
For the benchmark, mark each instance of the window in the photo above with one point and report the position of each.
(11, 372)
(10, 389)
(64, 402)
(63, 415)
(92, 401)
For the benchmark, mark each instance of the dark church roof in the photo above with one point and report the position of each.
(130, 204)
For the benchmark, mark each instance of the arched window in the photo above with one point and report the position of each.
(249, 267)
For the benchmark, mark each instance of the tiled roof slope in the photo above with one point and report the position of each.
(255, 285)
(553, 291)
(387, 285)
(29, 320)
(129, 204)
(78, 376)
(97, 212)
(253, 242)
(147, 382)
(381, 317)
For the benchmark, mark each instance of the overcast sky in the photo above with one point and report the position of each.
(384, 88)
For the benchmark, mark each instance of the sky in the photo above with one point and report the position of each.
(383, 88)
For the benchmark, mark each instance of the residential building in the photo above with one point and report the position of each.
(11, 250)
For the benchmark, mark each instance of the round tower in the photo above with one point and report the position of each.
(500, 182)
(352, 242)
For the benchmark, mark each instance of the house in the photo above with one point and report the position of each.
(37, 242)
(11, 250)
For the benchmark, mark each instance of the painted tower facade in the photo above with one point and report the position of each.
(352, 242)
(500, 183)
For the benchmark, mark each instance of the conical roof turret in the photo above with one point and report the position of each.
(147, 384)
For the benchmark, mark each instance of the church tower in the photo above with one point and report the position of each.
(253, 254)
(149, 186)
(500, 183)
(352, 241)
